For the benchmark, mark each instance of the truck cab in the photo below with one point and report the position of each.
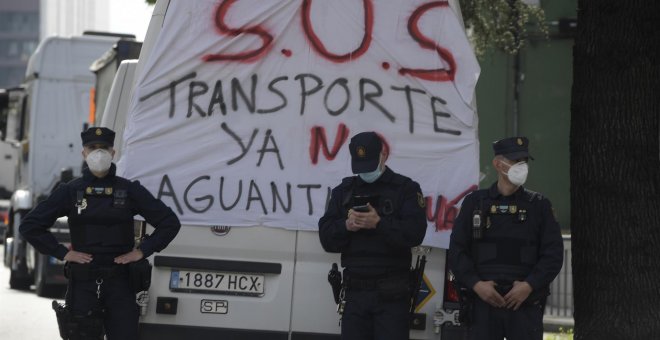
(7, 152)
(43, 127)
(105, 69)
(7, 163)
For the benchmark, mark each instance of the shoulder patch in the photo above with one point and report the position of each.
(421, 200)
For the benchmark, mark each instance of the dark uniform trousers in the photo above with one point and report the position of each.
(117, 298)
(492, 323)
(368, 316)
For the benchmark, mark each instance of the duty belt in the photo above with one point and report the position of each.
(355, 283)
(77, 271)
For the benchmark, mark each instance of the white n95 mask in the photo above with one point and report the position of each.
(517, 173)
(99, 160)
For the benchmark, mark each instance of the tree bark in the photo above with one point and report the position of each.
(615, 170)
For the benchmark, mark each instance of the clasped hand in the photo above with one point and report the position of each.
(512, 300)
(362, 220)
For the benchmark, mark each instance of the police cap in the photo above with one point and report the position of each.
(98, 135)
(365, 150)
(513, 148)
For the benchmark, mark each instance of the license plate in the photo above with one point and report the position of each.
(214, 306)
(192, 281)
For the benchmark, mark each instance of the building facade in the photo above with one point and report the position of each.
(66, 18)
(19, 36)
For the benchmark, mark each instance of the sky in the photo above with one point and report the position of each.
(73, 17)
(130, 16)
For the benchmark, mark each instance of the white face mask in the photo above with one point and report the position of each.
(517, 173)
(99, 160)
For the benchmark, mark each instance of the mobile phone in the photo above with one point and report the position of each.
(362, 200)
(361, 208)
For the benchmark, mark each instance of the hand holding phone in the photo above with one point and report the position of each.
(366, 219)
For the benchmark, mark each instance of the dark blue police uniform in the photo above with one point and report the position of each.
(518, 240)
(100, 214)
(376, 261)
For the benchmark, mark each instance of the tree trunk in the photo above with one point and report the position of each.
(615, 170)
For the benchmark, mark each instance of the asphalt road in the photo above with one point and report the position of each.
(24, 315)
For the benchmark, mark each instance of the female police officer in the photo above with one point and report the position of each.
(100, 207)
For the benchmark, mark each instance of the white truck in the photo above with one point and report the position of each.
(8, 158)
(43, 127)
(105, 69)
(275, 278)
(7, 153)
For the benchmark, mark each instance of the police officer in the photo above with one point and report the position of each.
(374, 241)
(100, 207)
(506, 248)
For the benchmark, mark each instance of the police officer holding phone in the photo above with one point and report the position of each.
(102, 260)
(373, 219)
(505, 249)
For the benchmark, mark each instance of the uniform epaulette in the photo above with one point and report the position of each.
(347, 181)
(123, 181)
(400, 179)
(75, 181)
(479, 194)
(533, 195)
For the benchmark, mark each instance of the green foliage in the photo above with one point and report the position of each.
(500, 24)
(562, 335)
(496, 24)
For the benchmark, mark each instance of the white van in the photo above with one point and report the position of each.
(222, 281)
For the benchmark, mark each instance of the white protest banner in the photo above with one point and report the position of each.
(243, 111)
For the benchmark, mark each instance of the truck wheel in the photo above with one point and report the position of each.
(6, 250)
(41, 287)
(39, 279)
(19, 280)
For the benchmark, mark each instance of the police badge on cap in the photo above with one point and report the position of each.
(513, 148)
(98, 135)
(365, 150)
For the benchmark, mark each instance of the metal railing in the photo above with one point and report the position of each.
(560, 301)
